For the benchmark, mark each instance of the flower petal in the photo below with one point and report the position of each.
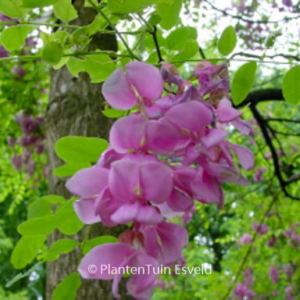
(180, 201)
(117, 91)
(192, 115)
(124, 180)
(85, 210)
(156, 181)
(139, 283)
(242, 126)
(225, 111)
(128, 133)
(125, 213)
(245, 156)
(148, 215)
(164, 246)
(207, 189)
(213, 137)
(112, 254)
(88, 182)
(146, 79)
(161, 136)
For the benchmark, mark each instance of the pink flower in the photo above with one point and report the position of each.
(289, 270)
(17, 162)
(258, 174)
(3, 52)
(246, 239)
(274, 274)
(151, 246)
(122, 256)
(289, 293)
(243, 292)
(141, 83)
(261, 228)
(272, 241)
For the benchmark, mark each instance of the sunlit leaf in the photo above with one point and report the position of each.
(69, 169)
(242, 82)
(65, 11)
(13, 38)
(291, 86)
(169, 13)
(80, 149)
(67, 288)
(26, 250)
(227, 41)
(38, 3)
(52, 53)
(60, 247)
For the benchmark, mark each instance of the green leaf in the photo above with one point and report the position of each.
(12, 8)
(66, 219)
(60, 247)
(13, 38)
(53, 199)
(191, 48)
(291, 86)
(67, 289)
(112, 113)
(70, 168)
(26, 250)
(87, 246)
(38, 3)
(242, 82)
(227, 41)
(177, 38)
(39, 208)
(52, 53)
(98, 66)
(65, 11)
(169, 13)
(131, 6)
(80, 149)
(37, 226)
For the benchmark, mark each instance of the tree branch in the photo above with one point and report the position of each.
(263, 95)
(276, 163)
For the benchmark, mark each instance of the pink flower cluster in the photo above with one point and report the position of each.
(294, 237)
(170, 151)
(244, 290)
(32, 140)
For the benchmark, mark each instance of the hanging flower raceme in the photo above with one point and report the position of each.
(170, 152)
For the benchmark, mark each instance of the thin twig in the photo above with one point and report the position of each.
(263, 127)
(38, 57)
(241, 18)
(282, 120)
(111, 24)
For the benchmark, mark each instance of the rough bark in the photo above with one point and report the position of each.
(75, 107)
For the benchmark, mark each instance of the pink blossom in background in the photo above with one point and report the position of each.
(289, 270)
(260, 228)
(274, 274)
(258, 174)
(289, 293)
(3, 52)
(246, 239)
(272, 241)
(242, 292)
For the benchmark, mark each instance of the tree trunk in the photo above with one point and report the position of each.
(75, 108)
